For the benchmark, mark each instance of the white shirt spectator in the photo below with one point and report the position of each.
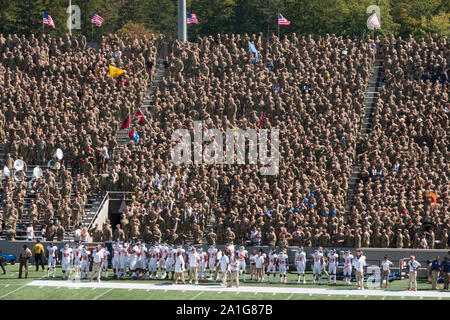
(105, 152)
(30, 233)
(179, 263)
(413, 265)
(233, 264)
(77, 235)
(359, 264)
(193, 259)
(224, 261)
(98, 256)
(386, 265)
(259, 261)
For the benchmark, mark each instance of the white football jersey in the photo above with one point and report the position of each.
(67, 255)
(154, 253)
(117, 248)
(106, 253)
(282, 259)
(272, 258)
(300, 257)
(52, 252)
(77, 253)
(333, 258)
(85, 256)
(212, 254)
(203, 257)
(348, 258)
(242, 254)
(317, 257)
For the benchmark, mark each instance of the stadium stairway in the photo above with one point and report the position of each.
(149, 99)
(122, 135)
(370, 99)
(90, 208)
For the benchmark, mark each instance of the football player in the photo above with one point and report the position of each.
(348, 260)
(52, 257)
(332, 265)
(66, 260)
(300, 263)
(283, 265)
(242, 255)
(272, 267)
(317, 265)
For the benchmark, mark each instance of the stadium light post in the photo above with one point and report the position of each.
(182, 27)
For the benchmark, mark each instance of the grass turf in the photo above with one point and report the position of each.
(12, 288)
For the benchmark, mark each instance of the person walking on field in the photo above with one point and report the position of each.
(97, 265)
(38, 250)
(385, 271)
(24, 258)
(446, 272)
(413, 265)
(359, 264)
(436, 266)
(234, 270)
(194, 259)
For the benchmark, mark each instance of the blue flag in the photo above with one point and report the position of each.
(252, 49)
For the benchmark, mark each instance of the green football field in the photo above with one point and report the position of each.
(12, 288)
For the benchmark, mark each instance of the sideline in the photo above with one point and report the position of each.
(251, 289)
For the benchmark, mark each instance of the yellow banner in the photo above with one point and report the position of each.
(115, 72)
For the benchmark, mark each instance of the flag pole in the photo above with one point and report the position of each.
(92, 32)
(70, 17)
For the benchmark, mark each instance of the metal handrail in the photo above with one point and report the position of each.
(105, 198)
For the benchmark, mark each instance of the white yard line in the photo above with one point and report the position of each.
(243, 289)
(21, 287)
(101, 295)
(194, 297)
(290, 296)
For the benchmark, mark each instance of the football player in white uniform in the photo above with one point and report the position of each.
(117, 248)
(124, 261)
(105, 264)
(85, 262)
(202, 267)
(317, 265)
(162, 259)
(132, 263)
(242, 255)
(300, 263)
(170, 262)
(272, 267)
(77, 259)
(142, 261)
(332, 265)
(52, 257)
(66, 260)
(212, 254)
(219, 255)
(153, 262)
(283, 265)
(348, 261)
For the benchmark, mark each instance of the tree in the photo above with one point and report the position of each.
(131, 29)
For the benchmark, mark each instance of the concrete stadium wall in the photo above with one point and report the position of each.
(101, 217)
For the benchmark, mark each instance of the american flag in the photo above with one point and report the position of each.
(374, 21)
(96, 19)
(48, 20)
(191, 19)
(282, 21)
